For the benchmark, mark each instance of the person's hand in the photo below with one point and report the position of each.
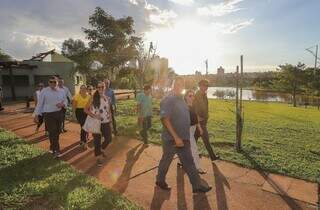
(140, 120)
(60, 105)
(36, 119)
(179, 142)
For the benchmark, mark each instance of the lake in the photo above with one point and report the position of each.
(250, 95)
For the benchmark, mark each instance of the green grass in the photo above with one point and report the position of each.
(277, 137)
(32, 179)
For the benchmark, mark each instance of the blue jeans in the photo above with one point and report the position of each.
(146, 125)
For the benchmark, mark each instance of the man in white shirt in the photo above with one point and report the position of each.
(69, 98)
(52, 100)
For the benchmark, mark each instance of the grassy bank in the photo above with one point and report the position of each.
(32, 179)
(277, 137)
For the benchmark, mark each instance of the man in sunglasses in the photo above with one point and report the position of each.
(51, 101)
(201, 107)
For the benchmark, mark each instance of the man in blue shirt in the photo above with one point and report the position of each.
(175, 118)
(52, 100)
(110, 93)
(144, 109)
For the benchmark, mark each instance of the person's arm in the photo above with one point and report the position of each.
(39, 107)
(114, 100)
(166, 122)
(35, 98)
(197, 104)
(74, 105)
(87, 110)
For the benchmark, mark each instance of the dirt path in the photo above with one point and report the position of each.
(130, 169)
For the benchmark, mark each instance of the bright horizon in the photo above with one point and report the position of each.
(267, 32)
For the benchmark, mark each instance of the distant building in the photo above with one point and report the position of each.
(197, 73)
(220, 71)
(21, 82)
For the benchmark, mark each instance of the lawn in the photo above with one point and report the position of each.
(32, 179)
(277, 137)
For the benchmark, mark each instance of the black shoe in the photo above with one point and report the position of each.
(1, 109)
(202, 189)
(163, 186)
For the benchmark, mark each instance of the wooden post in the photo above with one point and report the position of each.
(241, 105)
(237, 109)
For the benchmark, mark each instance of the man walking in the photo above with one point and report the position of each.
(175, 118)
(201, 108)
(51, 101)
(69, 98)
(110, 93)
(144, 109)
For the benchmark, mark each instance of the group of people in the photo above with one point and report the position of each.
(184, 119)
(51, 104)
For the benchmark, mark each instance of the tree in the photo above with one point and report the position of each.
(4, 56)
(81, 55)
(111, 40)
(292, 79)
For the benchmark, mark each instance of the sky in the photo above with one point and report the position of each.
(267, 33)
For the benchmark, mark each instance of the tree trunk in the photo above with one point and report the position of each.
(294, 98)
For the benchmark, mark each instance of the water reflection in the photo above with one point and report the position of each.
(254, 95)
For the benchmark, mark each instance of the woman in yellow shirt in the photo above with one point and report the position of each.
(79, 101)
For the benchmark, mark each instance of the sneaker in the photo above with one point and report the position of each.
(57, 154)
(202, 189)
(50, 151)
(83, 145)
(201, 171)
(179, 165)
(163, 185)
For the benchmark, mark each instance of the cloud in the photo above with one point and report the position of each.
(221, 9)
(231, 28)
(183, 2)
(153, 15)
(23, 46)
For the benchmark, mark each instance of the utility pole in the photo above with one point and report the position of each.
(239, 106)
(207, 65)
(316, 80)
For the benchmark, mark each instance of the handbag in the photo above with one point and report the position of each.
(92, 125)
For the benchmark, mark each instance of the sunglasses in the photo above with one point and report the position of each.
(53, 81)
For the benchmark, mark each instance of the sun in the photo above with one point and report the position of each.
(187, 44)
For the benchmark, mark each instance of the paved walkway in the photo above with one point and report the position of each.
(130, 169)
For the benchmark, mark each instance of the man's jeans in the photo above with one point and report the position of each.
(146, 125)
